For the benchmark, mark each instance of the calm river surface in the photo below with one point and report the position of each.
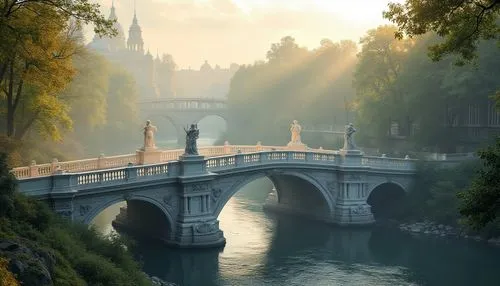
(265, 249)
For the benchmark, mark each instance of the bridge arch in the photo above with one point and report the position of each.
(210, 124)
(318, 195)
(166, 124)
(385, 199)
(150, 202)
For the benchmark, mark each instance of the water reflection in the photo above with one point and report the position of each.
(102, 221)
(265, 249)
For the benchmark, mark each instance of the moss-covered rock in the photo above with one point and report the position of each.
(30, 266)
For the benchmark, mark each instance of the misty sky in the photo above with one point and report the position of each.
(241, 31)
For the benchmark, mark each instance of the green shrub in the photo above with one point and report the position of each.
(82, 255)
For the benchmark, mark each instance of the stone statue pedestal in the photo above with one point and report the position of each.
(351, 157)
(148, 156)
(296, 146)
(192, 165)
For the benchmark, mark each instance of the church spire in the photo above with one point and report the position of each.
(112, 14)
(135, 42)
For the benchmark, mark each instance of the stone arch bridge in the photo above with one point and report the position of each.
(182, 112)
(179, 201)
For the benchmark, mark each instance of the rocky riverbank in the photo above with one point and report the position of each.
(30, 266)
(440, 230)
(158, 282)
(33, 266)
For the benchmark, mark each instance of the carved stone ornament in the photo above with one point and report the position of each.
(216, 194)
(65, 213)
(168, 199)
(149, 131)
(84, 210)
(192, 135)
(354, 178)
(359, 209)
(200, 188)
(348, 137)
(205, 227)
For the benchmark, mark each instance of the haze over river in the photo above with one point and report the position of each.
(266, 249)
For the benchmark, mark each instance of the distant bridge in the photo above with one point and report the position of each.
(326, 129)
(182, 112)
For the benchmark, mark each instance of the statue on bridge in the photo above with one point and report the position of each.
(348, 137)
(191, 136)
(295, 129)
(149, 141)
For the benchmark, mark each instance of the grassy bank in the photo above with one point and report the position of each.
(40, 245)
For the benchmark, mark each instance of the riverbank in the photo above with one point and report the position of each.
(429, 228)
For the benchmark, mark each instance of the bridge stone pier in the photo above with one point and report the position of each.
(179, 201)
(182, 112)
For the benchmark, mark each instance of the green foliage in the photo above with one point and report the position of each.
(396, 83)
(88, 102)
(82, 255)
(7, 187)
(294, 83)
(38, 40)
(434, 195)
(102, 112)
(115, 136)
(462, 24)
(480, 203)
(7, 278)
(376, 79)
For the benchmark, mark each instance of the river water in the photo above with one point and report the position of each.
(267, 249)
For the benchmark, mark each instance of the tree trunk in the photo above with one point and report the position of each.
(10, 102)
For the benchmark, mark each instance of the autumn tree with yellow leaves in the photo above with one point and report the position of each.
(38, 39)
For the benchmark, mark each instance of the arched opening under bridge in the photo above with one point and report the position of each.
(212, 128)
(137, 217)
(386, 201)
(248, 228)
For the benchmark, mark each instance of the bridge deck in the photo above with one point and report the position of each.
(96, 179)
(102, 162)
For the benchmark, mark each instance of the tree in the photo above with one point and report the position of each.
(37, 42)
(88, 102)
(421, 97)
(380, 96)
(480, 203)
(294, 83)
(7, 188)
(462, 23)
(286, 51)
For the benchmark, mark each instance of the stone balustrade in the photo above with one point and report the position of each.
(271, 157)
(85, 181)
(388, 163)
(185, 104)
(103, 162)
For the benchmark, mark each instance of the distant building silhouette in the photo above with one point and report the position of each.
(157, 77)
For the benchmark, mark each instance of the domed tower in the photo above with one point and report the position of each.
(135, 42)
(206, 67)
(111, 44)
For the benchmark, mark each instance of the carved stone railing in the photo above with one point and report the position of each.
(388, 163)
(86, 181)
(271, 157)
(185, 104)
(102, 162)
